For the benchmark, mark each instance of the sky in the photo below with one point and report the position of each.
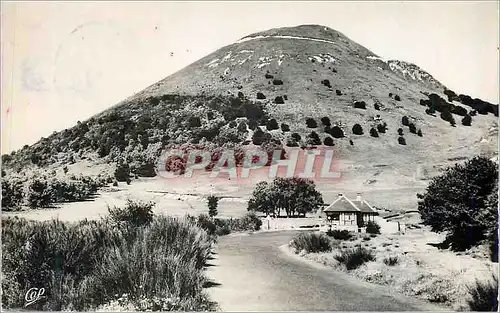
(65, 61)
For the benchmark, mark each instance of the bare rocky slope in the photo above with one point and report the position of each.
(285, 76)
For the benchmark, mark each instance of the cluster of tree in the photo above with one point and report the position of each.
(463, 202)
(295, 196)
(481, 106)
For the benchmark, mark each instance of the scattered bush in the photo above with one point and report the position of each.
(311, 123)
(326, 82)
(402, 141)
(390, 94)
(328, 141)
(313, 139)
(447, 116)
(405, 121)
(269, 76)
(391, 261)
(412, 128)
(400, 131)
(277, 82)
(373, 132)
(381, 128)
(272, 124)
(467, 120)
(357, 129)
(376, 106)
(338, 92)
(339, 234)
(351, 142)
(297, 137)
(260, 96)
(135, 213)
(336, 132)
(285, 127)
(310, 243)
(241, 95)
(397, 98)
(326, 121)
(419, 133)
(194, 121)
(484, 296)
(372, 227)
(122, 173)
(279, 100)
(354, 258)
(360, 105)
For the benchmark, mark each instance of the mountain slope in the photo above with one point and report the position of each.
(308, 71)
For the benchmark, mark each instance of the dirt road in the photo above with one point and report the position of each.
(252, 273)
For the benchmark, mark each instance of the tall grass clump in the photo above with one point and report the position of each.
(311, 242)
(90, 264)
(354, 258)
(484, 296)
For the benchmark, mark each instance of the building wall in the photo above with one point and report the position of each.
(345, 219)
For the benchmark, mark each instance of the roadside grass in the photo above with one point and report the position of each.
(354, 258)
(93, 264)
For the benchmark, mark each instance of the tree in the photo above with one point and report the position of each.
(357, 129)
(372, 227)
(213, 202)
(122, 172)
(457, 202)
(296, 196)
(447, 116)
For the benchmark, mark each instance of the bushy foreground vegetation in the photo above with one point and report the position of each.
(295, 196)
(311, 242)
(156, 264)
(219, 226)
(484, 296)
(463, 202)
(41, 191)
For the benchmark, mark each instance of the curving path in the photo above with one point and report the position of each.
(252, 273)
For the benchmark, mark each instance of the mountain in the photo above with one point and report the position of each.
(302, 78)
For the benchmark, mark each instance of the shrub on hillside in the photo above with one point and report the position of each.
(310, 243)
(260, 96)
(338, 92)
(391, 260)
(248, 222)
(400, 131)
(397, 98)
(313, 139)
(277, 82)
(311, 123)
(259, 137)
(354, 258)
(39, 193)
(412, 128)
(135, 213)
(339, 234)
(328, 141)
(326, 121)
(376, 106)
(268, 76)
(357, 129)
(373, 132)
(326, 83)
(467, 120)
(336, 132)
(360, 105)
(272, 124)
(351, 142)
(447, 116)
(372, 227)
(279, 100)
(405, 121)
(402, 141)
(381, 128)
(122, 172)
(419, 133)
(12, 193)
(484, 296)
(285, 127)
(455, 202)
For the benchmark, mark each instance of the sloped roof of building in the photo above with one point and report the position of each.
(343, 204)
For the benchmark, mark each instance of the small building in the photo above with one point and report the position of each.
(345, 213)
